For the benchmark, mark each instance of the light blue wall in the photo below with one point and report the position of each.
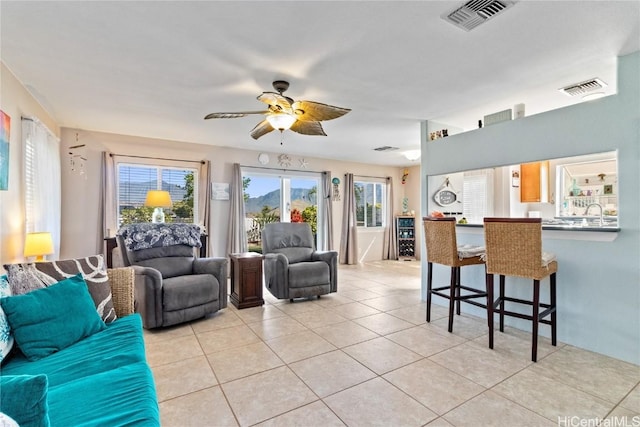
(598, 282)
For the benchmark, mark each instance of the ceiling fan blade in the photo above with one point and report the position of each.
(232, 115)
(261, 128)
(277, 103)
(317, 111)
(308, 128)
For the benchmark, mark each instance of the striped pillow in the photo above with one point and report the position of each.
(6, 338)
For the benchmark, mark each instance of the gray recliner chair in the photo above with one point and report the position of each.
(292, 266)
(172, 285)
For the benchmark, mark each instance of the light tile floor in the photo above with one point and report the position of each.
(366, 356)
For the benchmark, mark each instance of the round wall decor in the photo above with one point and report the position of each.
(263, 158)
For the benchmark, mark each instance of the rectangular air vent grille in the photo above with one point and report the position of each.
(385, 148)
(583, 87)
(475, 12)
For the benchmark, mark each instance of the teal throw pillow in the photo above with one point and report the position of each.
(6, 339)
(50, 319)
(24, 399)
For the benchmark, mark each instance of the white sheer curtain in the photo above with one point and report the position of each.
(349, 243)
(108, 198)
(204, 199)
(327, 225)
(237, 235)
(43, 183)
(389, 243)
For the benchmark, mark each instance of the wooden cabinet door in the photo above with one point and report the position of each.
(533, 182)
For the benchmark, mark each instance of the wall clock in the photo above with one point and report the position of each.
(263, 158)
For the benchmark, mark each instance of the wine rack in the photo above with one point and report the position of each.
(406, 237)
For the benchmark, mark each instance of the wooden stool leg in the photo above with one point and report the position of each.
(502, 279)
(552, 291)
(489, 284)
(452, 293)
(429, 278)
(536, 313)
(458, 291)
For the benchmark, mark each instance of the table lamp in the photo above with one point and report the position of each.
(38, 244)
(158, 199)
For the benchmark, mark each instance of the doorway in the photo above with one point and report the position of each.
(278, 196)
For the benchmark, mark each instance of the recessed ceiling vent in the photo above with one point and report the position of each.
(583, 88)
(385, 148)
(475, 12)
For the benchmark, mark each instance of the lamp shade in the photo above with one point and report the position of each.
(38, 244)
(158, 199)
(281, 121)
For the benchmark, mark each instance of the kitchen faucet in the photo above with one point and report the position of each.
(586, 211)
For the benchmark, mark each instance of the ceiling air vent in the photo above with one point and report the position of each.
(583, 88)
(385, 148)
(475, 12)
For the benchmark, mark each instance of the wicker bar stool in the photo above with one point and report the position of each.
(442, 248)
(514, 248)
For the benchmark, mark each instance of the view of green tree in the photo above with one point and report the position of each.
(267, 216)
(310, 216)
(313, 194)
(134, 215)
(245, 184)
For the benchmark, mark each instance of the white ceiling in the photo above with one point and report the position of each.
(155, 69)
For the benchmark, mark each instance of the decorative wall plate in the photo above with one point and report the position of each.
(284, 160)
(263, 158)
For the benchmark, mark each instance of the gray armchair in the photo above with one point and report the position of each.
(292, 266)
(172, 285)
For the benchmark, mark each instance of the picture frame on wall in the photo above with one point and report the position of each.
(219, 191)
(608, 189)
(5, 130)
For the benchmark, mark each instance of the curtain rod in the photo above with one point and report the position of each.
(367, 176)
(157, 158)
(280, 170)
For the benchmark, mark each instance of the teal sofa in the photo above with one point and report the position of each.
(102, 380)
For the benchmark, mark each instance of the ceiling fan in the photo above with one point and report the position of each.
(284, 113)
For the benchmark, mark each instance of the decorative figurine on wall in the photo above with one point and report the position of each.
(405, 206)
(405, 175)
(336, 189)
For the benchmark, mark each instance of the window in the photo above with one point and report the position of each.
(42, 175)
(134, 180)
(280, 197)
(370, 203)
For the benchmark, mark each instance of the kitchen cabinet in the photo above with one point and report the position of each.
(406, 239)
(534, 182)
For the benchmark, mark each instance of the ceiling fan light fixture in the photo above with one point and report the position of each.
(281, 122)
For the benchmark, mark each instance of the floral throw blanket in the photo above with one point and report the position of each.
(149, 235)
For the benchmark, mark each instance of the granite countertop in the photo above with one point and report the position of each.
(565, 226)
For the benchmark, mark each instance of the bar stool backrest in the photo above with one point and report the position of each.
(440, 238)
(513, 246)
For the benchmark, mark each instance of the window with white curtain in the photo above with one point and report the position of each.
(478, 195)
(135, 179)
(370, 202)
(42, 180)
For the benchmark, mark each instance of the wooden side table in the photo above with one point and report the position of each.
(246, 279)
